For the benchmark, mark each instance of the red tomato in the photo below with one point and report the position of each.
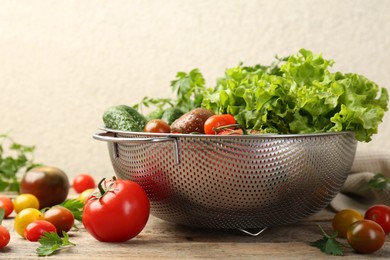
(7, 204)
(4, 236)
(61, 217)
(83, 182)
(343, 219)
(35, 229)
(157, 126)
(119, 213)
(365, 236)
(216, 121)
(381, 215)
(231, 132)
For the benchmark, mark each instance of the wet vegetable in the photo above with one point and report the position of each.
(125, 118)
(191, 122)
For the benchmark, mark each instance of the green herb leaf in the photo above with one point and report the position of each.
(329, 244)
(158, 102)
(52, 242)
(379, 182)
(188, 88)
(75, 206)
(19, 159)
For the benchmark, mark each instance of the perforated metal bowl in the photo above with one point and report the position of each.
(238, 182)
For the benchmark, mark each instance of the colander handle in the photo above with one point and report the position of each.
(110, 137)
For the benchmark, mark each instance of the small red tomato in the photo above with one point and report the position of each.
(36, 229)
(83, 182)
(231, 132)
(157, 126)
(365, 236)
(61, 217)
(118, 213)
(381, 215)
(4, 236)
(215, 121)
(7, 204)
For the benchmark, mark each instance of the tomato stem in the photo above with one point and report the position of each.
(100, 187)
(232, 127)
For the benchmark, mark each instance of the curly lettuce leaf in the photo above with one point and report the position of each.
(300, 96)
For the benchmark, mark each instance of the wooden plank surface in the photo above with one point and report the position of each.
(163, 240)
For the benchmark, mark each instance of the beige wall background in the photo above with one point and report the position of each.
(62, 63)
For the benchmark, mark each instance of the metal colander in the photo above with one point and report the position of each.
(238, 182)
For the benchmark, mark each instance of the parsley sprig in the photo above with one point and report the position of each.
(75, 206)
(15, 158)
(51, 242)
(329, 244)
(188, 89)
(379, 182)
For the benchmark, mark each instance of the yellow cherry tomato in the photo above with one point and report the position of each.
(24, 201)
(343, 219)
(25, 217)
(85, 195)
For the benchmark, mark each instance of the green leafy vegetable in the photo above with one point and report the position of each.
(329, 244)
(303, 96)
(51, 242)
(19, 158)
(188, 88)
(379, 182)
(294, 95)
(158, 102)
(75, 206)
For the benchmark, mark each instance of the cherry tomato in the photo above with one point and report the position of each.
(83, 182)
(365, 236)
(216, 121)
(35, 229)
(157, 126)
(4, 236)
(231, 132)
(49, 184)
(61, 217)
(7, 204)
(24, 201)
(85, 195)
(119, 213)
(381, 215)
(24, 218)
(343, 219)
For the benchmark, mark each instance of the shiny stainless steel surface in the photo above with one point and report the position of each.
(238, 182)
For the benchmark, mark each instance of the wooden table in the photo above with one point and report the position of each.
(162, 240)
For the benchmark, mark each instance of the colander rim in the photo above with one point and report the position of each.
(254, 136)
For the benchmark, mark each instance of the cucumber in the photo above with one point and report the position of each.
(125, 118)
(171, 114)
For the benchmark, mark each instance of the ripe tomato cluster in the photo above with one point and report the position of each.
(116, 211)
(32, 220)
(365, 233)
(30, 223)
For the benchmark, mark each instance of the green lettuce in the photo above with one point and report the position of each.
(299, 95)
